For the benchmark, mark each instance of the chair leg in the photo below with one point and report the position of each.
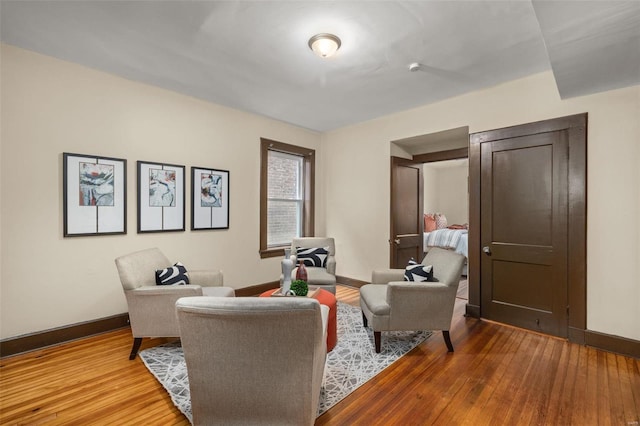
(365, 323)
(377, 337)
(137, 341)
(447, 340)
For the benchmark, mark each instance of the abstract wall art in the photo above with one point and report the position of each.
(94, 195)
(160, 197)
(210, 198)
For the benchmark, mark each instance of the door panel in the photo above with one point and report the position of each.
(406, 213)
(524, 205)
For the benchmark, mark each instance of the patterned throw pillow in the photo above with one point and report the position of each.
(173, 275)
(429, 222)
(418, 272)
(441, 221)
(314, 257)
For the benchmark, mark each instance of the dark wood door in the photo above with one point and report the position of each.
(406, 213)
(524, 231)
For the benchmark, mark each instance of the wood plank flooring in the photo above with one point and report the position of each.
(498, 375)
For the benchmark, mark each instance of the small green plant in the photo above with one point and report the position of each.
(299, 287)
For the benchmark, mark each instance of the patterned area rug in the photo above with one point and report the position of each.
(349, 365)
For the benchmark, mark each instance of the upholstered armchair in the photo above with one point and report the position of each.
(391, 304)
(267, 362)
(318, 276)
(151, 306)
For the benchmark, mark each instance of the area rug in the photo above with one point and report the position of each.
(349, 365)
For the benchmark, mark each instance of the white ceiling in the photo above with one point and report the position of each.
(253, 55)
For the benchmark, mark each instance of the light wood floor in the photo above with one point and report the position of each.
(498, 375)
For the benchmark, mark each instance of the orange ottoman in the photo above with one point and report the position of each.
(328, 299)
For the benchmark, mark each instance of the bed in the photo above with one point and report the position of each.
(454, 239)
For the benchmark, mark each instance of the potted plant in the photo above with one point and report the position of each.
(299, 287)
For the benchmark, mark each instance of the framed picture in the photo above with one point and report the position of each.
(210, 199)
(160, 197)
(94, 195)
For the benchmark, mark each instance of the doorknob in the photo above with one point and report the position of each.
(487, 250)
(397, 241)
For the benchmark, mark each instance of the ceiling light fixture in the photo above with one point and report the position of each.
(324, 45)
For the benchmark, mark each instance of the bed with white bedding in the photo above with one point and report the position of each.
(453, 239)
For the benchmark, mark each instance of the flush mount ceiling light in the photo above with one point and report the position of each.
(324, 45)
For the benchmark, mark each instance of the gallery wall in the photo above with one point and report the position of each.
(50, 107)
(359, 213)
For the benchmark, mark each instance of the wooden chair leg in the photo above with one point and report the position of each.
(447, 340)
(377, 337)
(365, 323)
(137, 341)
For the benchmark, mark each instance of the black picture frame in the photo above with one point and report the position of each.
(210, 198)
(94, 195)
(161, 201)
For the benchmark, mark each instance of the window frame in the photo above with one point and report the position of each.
(308, 205)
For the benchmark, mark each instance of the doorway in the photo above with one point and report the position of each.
(407, 197)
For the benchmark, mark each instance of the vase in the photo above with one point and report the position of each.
(287, 267)
(301, 273)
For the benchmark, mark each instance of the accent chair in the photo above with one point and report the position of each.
(318, 276)
(151, 306)
(253, 360)
(391, 304)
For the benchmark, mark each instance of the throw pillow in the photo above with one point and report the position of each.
(173, 275)
(418, 272)
(441, 221)
(314, 257)
(429, 222)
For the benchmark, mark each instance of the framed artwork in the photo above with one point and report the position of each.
(160, 197)
(210, 199)
(94, 195)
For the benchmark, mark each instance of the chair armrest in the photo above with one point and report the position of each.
(384, 276)
(429, 304)
(206, 278)
(331, 265)
(159, 290)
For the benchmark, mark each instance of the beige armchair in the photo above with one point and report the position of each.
(151, 306)
(266, 364)
(391, 304)
(317, 276)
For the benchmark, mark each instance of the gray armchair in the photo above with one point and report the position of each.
(152, 307)
(267, 364)
(391, 304)
(321, 277)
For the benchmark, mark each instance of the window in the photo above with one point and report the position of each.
(286, 195)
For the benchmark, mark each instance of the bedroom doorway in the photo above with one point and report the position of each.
(407, 196)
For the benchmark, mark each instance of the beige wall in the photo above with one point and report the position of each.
(446, 190)
(50, 107)
(358, 214)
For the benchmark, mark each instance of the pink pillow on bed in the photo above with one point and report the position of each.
(441, 221)
(429, 222)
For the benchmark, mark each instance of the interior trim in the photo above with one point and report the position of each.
(351, 282)
(255, 290)
(54, 336)
(611, 343)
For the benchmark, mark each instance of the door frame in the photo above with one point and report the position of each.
(431, 157)
(576, 126)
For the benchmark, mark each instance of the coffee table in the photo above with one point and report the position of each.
(328, 299)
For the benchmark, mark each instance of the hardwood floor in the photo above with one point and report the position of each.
(497, 375)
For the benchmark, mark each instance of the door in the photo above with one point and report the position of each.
(524, 231)
(407, 214)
